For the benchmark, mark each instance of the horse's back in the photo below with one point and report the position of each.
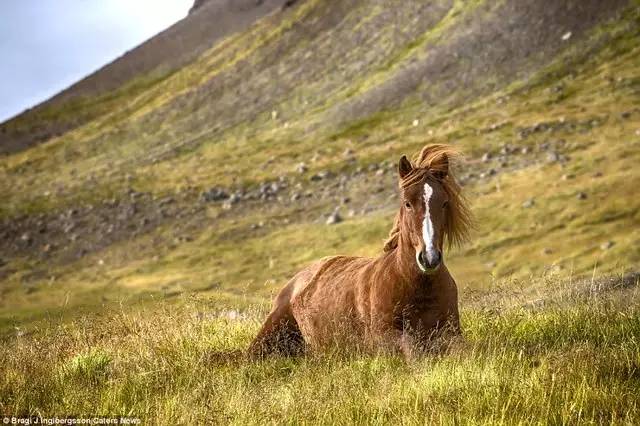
(326, 275)
(326, 294)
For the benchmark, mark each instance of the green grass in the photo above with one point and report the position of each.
(518, 363)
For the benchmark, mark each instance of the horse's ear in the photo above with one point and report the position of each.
(440, 166)
(404, 166)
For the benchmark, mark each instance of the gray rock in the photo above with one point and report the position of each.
(265, 188)
(214, 194)
(607, 245)
(486, 157)
(302, 168)
(490, 172)
(234, 198)
(581, 196)
(166, 201)
(553, 157)
(325, 174)
(529, 203)
(334, 218)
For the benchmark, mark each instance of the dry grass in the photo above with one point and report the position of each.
(519, 363)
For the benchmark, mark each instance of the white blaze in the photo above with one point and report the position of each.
(427, 225)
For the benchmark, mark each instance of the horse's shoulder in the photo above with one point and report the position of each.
(310, 277)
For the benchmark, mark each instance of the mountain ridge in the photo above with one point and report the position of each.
(159, 56)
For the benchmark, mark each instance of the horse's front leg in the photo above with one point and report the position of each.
(389, 337)
(436, 339)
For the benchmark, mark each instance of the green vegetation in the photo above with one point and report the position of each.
(573, 357)
(154, 318)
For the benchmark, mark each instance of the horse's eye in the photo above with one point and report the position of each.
(445, 204)
(407, 205)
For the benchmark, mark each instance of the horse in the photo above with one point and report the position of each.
(399, 301)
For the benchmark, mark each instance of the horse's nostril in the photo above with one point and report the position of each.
(432, 259)
(428, 261)
(422, 257)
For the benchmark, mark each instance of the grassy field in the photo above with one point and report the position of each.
(122, 292)
(571, 357)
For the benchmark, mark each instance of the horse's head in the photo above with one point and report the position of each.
(432, 208)
(423, 214)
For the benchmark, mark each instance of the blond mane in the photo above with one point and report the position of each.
(435, 159)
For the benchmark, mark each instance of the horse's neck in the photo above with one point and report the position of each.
(404, 263)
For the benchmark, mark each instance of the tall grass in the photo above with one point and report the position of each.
(564, 359)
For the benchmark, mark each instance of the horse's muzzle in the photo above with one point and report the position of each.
(429, 262)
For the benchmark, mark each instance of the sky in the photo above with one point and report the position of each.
(47, 45)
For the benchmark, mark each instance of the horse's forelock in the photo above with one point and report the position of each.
(433, 160)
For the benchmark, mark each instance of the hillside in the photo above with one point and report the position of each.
(197, 173)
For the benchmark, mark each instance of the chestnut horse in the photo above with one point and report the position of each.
(397, 301)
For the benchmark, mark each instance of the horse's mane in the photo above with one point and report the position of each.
(438, 159)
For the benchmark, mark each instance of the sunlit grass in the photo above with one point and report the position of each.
(184, 364)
